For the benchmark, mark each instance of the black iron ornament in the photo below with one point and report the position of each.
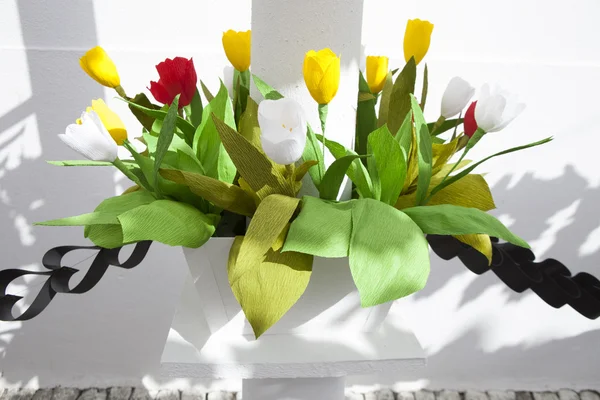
(515, 266)
(59, 276)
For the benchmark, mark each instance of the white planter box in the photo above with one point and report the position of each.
(331, 298)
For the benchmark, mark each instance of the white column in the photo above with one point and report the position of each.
(284, 30)
(293, 389)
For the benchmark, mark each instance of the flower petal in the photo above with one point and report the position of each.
(285, 152)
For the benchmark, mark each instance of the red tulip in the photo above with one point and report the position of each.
(469, 122)
(177, 76)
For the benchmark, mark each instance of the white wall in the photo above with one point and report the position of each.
(476, 332)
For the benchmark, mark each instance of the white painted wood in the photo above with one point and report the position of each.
(331, 299)
(293, 389)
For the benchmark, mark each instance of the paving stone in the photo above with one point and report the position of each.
(544, 396)
(18, 394)
(43, 394)
(119, 393)
(193, 396)
(61, 393)
(221, 396)
(168, 394)
(589, 395)
(567, 394)
(405, 396)
(523, 396)
(448, 395)
(424, 395)
(385, 394)
(354, 396)
(475, 395)
(501, 395)
(93, 394)
(140, 393)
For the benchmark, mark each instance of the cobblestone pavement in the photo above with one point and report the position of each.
(130, 393)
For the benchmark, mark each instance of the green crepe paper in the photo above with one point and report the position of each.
(425, 88)
(144, 119)
(93, 218)
(255, 167)
(207, 142)
(330, 185)
(366, 119)
(447, 219)
(209, 96)
(268, 283)
(249, 127)
(169, 222)
(321, 228)
(179, 150)
(387, 165)
(241, 92)
(267, 288)
(165, 137)
(389, 255)
(357, 172)
(384, 103)
(405, 135)
(313, 151)
(424, 151)
(187, 128)
(266, 90)
(222, 194)
(86, 163)
(400, 99)
(193, 111)
(446, 126)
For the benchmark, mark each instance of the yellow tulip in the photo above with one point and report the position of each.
(377, 69)
(322, 74)
(110, 120)
(416, 39)
(237, 47)
(99, 66)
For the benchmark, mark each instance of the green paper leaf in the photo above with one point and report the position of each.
(267, 288)
(400, 99)
(387, 165)
(266, 90)
(223, 195)
(389, 256)
(86, 163)
(170, 222)
(209, 96)
(384, 104)
(166, 135)
(466, 171)
(366, 119)
(321, 228)
(357, 172)
(330, 185)
(185, 127)
(313, 151)
(446, 125)
(194, 110)
(94, 218)
(256, 168)
(405, 135)
(303, 168)
(447, 219)
(425, 87)
(142, 100)
(424, 151)
(106, 236)
(249, 127)
(207, 142)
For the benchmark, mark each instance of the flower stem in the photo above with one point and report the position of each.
(125, 170)
(290, 169)
(437, 125)
(323, 109)
(121, 92)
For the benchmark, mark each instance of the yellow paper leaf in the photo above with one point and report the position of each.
(222, 194)
(448, 167)
(471, 191)
(441, 154)
(479, 242)
(281, 238)
(131, 189)
(303, 169)
(249, 127)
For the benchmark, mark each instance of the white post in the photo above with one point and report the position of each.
(293, 389)
(283, 31)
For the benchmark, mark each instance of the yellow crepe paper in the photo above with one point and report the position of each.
(479, 242)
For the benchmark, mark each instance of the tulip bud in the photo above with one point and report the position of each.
(237, 46)
(416, 39)
(469, 121)
(321, 72)
(456, 97)
(496, 109)
(98, 65)
(90, 138)
(177, 77)
(377, 70)
(282, 130)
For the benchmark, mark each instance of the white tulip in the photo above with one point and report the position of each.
(283, 130)
(90, 138)
(456, 97)
(495, 109)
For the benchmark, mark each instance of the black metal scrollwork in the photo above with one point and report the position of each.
(549, 279)
(59, 276)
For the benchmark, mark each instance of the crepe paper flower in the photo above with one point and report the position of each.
(283, 130)
(456, 97)
(321, 72)
(469, 121)
(416, 39)
(237, 46)
(496, 109)
(90, 138)
(99, 66)
(110, 120)
(377, 69)
(177, 76)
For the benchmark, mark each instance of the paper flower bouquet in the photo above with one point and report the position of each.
(232, 165)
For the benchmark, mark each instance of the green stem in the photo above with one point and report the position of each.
(323, 109)
(437, 125)
(123, 168)
(290, 169)
(121, 92)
